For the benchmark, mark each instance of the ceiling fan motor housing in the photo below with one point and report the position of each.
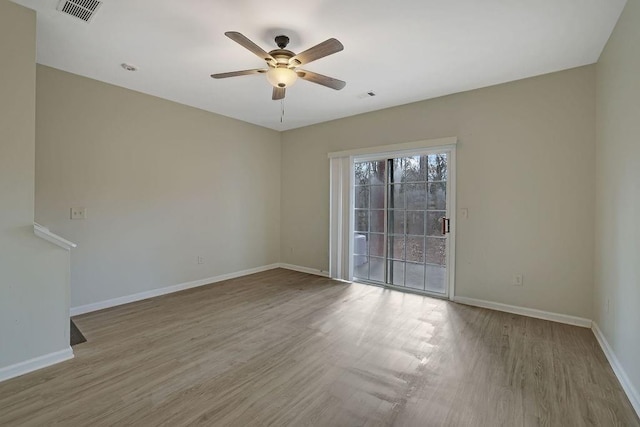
(282, 56)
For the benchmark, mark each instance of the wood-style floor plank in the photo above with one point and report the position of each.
(286, 348)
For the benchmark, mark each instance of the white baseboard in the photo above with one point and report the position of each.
(304, 269)
(34, 364)
(75, 311)
(627, 386)
(524, 311)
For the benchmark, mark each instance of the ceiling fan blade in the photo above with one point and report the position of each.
(237, 73)
(248, 44)
(321, 80)
(278, 93)
(321, 50)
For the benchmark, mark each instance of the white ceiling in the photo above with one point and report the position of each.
(405, 50)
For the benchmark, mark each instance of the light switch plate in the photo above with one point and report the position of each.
(78, 213)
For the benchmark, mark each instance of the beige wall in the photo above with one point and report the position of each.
(162, 184)
(34, 295)
(617, 272)
(525, 173)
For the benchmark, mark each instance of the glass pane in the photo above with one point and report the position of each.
(434, 223)
(436, 251)
(396, 196)
(437, 167)
(398, 172)
(415, 223)
(424, 168)
(360, 244)
(362, 220)
(415, 249)
(396, 273)
(362, 197)
(396, 247)
(436, 278)
(362, 173)
(437, 196)
(377, 221)
(377, 173)
(415, 195)
(377, 196)
(361, 266)
(396, 221)
(376, 244)
(412, 169)
(414, 276)
(377, 269)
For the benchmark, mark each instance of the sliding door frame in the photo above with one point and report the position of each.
(342, 197)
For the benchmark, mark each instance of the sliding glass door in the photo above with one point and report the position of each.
(401, 221)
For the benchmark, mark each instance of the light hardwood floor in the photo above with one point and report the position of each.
(286, 348)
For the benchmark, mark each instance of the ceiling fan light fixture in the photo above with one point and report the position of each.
(281, 77)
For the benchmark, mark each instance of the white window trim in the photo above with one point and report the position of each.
(393, 149)
(342, 200)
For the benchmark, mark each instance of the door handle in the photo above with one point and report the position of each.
(446, 225)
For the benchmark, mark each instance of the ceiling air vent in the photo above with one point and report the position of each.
(81, 9)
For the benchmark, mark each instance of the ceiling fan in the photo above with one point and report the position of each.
(282, 64)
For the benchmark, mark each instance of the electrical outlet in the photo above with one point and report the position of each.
(464, 213)
(291, 249)
(517, 280)
(200, 260)
(78, 213)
